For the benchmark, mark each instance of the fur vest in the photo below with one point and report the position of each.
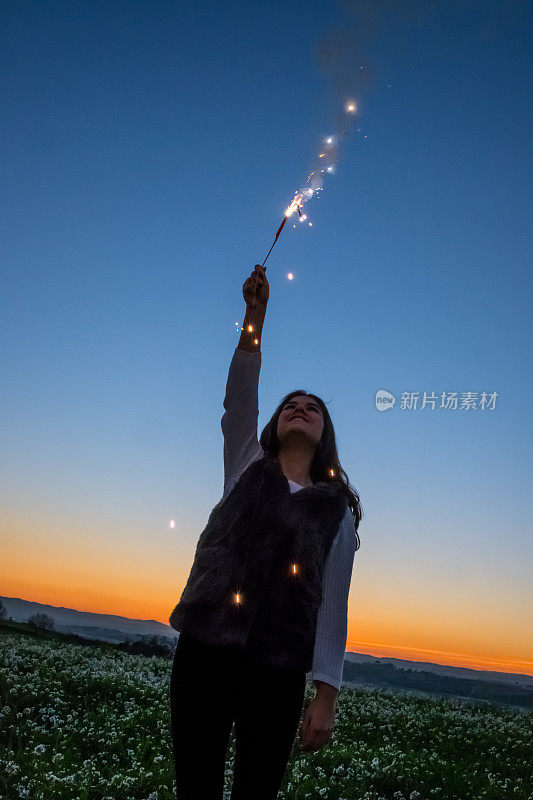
(256, 580)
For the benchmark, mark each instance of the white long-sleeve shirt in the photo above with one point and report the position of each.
(241, 448)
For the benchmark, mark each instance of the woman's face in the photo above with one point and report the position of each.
(303, 416)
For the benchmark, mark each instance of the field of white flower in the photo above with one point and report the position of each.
(93, 723)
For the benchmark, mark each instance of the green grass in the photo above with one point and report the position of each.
(93, 723)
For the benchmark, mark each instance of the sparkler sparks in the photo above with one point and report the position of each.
(316, 178)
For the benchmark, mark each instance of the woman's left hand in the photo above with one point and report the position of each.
(316, 726)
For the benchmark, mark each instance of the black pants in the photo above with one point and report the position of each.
(210, 689)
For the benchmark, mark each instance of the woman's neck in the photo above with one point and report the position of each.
(296, 465)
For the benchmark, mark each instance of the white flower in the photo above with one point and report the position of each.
(40, 748)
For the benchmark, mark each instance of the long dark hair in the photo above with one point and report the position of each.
(326, 457)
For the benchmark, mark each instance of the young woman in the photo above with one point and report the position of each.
(265, 604)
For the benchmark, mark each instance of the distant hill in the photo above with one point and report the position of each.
(418, 681)
(105, 627)
(526, 681)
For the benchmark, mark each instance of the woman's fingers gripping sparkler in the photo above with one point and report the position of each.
(255, 289)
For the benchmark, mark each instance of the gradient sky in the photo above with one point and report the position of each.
(149, 152)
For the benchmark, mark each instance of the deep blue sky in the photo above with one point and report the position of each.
(148, 153)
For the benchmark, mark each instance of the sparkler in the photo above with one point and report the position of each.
(316, 179)
(289, 212)
(300, 197)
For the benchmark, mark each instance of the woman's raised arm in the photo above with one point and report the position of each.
(239, 422)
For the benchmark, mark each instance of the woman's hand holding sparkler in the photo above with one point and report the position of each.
(255, 289)
(256, 292)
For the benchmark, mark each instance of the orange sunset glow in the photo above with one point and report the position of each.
(62, 565)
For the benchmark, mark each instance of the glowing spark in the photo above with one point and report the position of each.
(256, 341)
(329, 140)
(330, 169)
(290, 276)
(351, 107)
(332, 473)
(237, 598)
(310, 224)
(322, 155)
(250, 328)
(172, 523)
(295, 568)
(293, 206)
